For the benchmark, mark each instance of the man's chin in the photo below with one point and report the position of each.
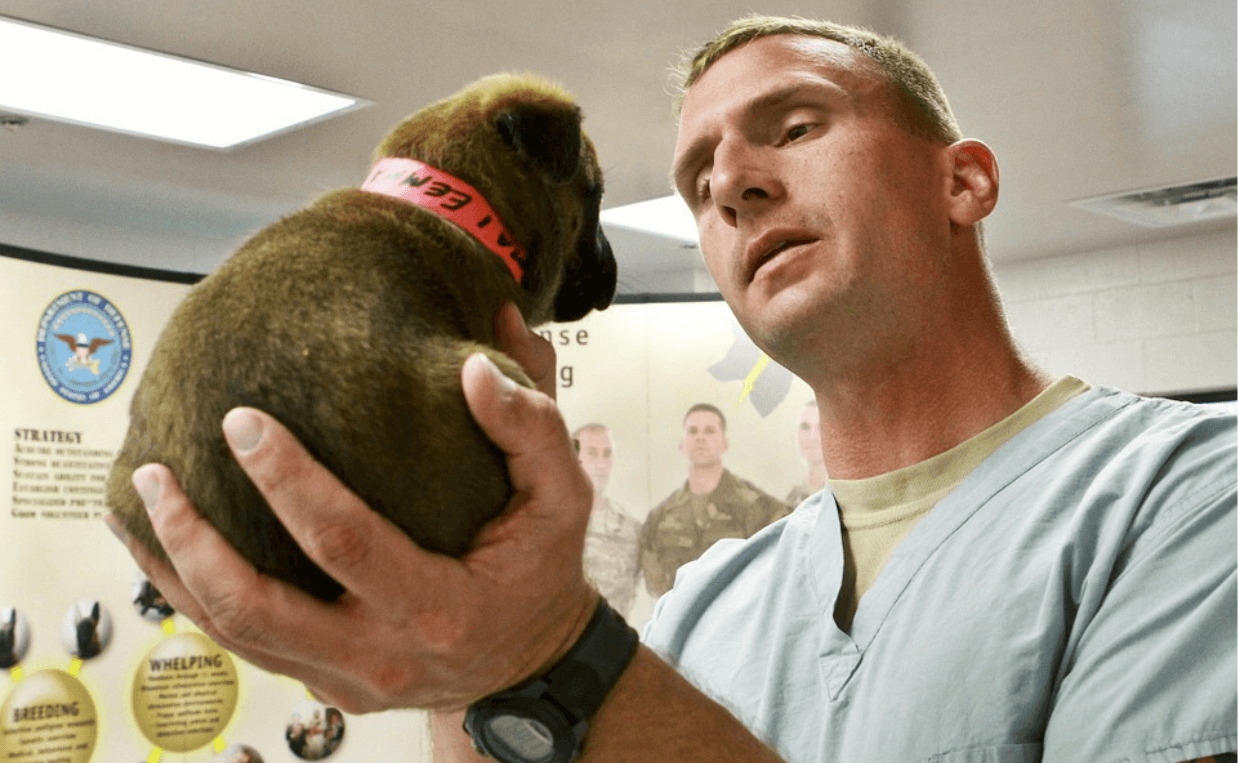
(778, 323)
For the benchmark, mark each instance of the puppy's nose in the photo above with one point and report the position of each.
(590, 280)
(608, 272)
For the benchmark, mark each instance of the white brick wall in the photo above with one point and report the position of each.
(1156, 318)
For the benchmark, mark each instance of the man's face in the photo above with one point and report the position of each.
(597, 456)
(703, 442)
(808, 434)
(821, 220)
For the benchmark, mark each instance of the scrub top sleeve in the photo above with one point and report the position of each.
(1152, 674)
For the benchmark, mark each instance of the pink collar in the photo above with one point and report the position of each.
(449, 197)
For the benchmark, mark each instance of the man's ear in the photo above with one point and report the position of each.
(973, 191)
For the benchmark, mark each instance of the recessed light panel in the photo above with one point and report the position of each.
(81, 80)
(666, 216)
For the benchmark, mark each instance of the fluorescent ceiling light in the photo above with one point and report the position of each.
(667, 216)
(72, 78)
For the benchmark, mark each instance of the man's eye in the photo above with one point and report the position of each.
(702, 191)
(797, 132)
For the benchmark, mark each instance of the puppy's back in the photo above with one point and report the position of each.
(334, 322)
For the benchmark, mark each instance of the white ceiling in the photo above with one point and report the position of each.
(1078, 98)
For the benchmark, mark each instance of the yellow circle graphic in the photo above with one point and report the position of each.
(184, 693)
(48, 716)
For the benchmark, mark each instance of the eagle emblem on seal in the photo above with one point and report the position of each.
(83, 352)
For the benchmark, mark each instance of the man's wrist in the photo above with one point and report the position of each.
(546, 717)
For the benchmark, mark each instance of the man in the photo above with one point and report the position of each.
(712, 504)
(612, 541)
(808, 440)
(1070, 596)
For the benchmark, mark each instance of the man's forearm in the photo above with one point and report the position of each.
(652, 714)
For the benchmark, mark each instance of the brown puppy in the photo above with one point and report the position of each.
(349, 322)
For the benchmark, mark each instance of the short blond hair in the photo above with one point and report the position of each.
(921, 105)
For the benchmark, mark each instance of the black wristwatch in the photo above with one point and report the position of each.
(544, 719)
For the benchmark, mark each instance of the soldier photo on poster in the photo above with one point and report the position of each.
(613, 537)
(808, 442)
(712, 504)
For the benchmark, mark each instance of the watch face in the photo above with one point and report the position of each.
(521, 729)
(527, 738)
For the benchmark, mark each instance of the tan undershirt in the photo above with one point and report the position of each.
(878, 512)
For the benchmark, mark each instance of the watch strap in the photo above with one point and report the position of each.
(580, 681)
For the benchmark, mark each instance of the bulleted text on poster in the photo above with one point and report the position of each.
(57, 475)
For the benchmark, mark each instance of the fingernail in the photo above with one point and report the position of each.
(242, 429)
(149, 485)
(503, 379)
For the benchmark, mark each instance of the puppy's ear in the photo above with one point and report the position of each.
(549, 139)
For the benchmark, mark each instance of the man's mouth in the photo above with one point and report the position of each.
(782, 246)
(776, 246)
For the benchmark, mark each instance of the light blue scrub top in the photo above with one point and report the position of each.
(1074, 600)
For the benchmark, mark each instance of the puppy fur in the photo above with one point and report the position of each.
(349, 322)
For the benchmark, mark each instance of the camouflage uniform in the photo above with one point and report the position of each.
(680, 528)
(611, 548)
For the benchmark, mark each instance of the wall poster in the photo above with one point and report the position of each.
(686, 430)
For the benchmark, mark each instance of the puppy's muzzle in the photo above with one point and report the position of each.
(589, 283)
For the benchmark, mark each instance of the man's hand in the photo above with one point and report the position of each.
(413, 629)
(534, 354)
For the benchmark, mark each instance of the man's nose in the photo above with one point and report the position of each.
(744, 178)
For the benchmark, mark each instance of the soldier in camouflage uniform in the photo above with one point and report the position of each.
(808, 438)
(712, 504)
(611, 542)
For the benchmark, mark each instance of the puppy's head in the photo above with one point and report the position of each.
(517, 139)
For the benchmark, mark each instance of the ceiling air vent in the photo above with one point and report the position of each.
(1173, 205)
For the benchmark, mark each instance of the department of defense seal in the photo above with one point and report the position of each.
(83, 347)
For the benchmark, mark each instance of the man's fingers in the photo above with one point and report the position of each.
(516, 419)
(160, 573)
(210, 577)
(529, 429)
(243, 610)
(327, 520)
(261, 619)
(532, 352)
